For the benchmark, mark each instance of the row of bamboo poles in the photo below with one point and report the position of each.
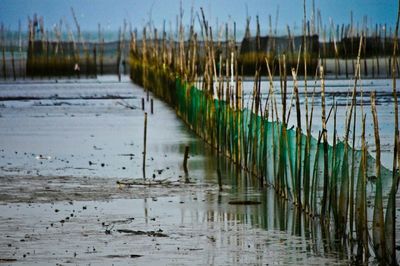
(59, 52)
(7, 45)
(47, 58)
(336, 44)
(325, 181)
(49, 53)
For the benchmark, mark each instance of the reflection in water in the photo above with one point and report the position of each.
(145, 208)
(282, 226)
(288, 218)
(282, 223)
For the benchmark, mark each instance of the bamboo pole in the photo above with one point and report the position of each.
(352, 33)
(307, 161)
(102, 48)
(13, 62)
(87, 59)
(378, 229)
(344, 43)
(4, 63)
(361, 202)
(273, 103)
(144, 145)
(282, 148)
(365, 33)
(314, 183)
(337, 65)
(95, 60)
(334, 175)
(344, 201)
(218, 126)
(390, 219)
(119, 48)
(21, 75)
(305, 58)
(387, 62)
(325, 139)
(298, 142)
(377, 46)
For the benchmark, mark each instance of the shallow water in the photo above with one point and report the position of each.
(85, 128)
(200, 228)
(94, 129)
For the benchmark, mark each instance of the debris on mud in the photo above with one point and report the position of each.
(7, 260)
(143, 182)
(123, 256)
(148, 233)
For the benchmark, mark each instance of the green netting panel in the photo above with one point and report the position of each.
(293, 164)
(262, 146)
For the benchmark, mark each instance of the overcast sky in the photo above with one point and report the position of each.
(111, 13)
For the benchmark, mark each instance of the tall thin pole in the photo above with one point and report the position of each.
(144, 145)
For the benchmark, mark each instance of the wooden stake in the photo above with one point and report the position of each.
(4, 64)
(144, 145)
(325, 139)
(378, 228)
(13, 63)
(298, 141)
(185, 158)
(390, 222)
